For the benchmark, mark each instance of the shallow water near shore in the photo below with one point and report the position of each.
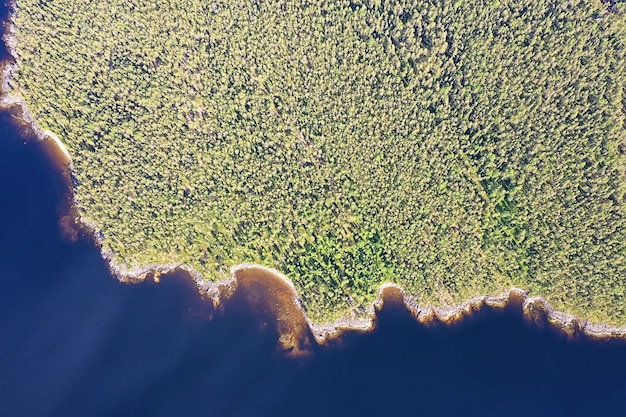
(76, 342)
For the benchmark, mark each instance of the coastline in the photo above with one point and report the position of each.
(299, 332)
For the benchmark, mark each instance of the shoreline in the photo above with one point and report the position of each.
(299, 333)
(536, 310)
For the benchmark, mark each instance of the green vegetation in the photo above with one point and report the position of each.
(454, 147)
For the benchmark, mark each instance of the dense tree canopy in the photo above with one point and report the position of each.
(454, 147)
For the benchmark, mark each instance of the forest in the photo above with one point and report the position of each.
(456, 148)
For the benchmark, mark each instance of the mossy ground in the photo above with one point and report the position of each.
(455, 148)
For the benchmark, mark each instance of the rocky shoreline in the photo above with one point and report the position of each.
(298, 332)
